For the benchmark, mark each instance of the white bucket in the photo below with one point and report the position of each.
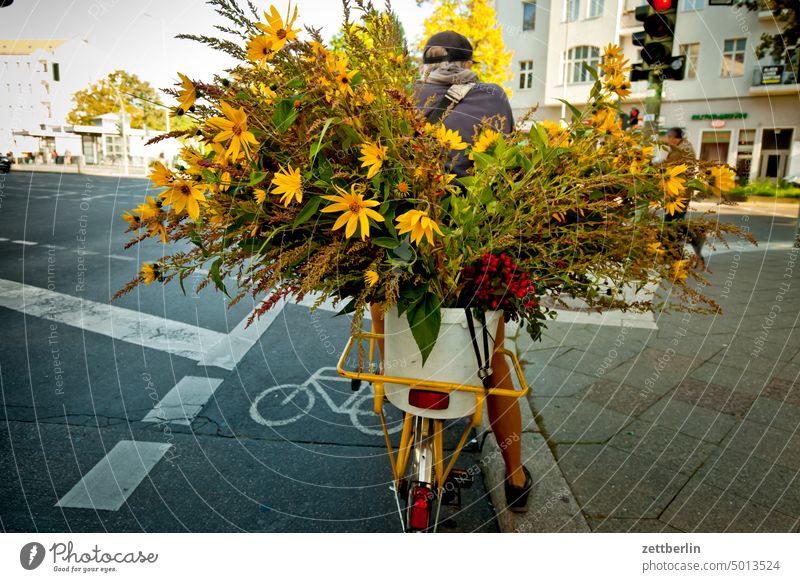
(451, 360)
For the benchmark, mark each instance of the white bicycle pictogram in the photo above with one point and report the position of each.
(287, 403)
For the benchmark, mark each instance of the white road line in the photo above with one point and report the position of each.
(185, 401)
(119, 323)
(111, 481)
(122, 257)
(609, 318)
(3, 239)
(24, 242)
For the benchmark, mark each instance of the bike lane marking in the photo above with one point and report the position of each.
(115, 477)
(184, 401)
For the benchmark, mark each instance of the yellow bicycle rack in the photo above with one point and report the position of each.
(399, 460)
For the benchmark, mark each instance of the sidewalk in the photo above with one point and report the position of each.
(692, 426)
(87, 169)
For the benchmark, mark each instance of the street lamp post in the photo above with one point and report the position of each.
(125, 169)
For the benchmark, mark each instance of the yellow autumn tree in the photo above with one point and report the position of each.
(472, 19)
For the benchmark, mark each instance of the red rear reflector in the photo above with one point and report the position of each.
(418, 520)
(428, 399)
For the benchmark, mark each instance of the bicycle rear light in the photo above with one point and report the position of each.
(428, 399)
(420, 509)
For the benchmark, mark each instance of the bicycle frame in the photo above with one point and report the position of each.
(433, 427)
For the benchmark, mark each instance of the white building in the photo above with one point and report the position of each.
(733, 107)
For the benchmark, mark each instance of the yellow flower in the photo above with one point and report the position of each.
(722, 179)
(184, 194)
(655, 248)
(418, 224)
(372, 156)
(484, 142)
(449, 138)
(678, 270)
(606, 122)
(556, 135)
(289, 184)
(276, 30)
(370, 277)
(618, 84)
(343, 77)
(233, 127)
(260, 195)
(259, 49)
(367, 97)
(672, 184)
(402, 187)
(160, 176)
(150, 272)
(675, 205)
(356, 211)
(149, 209)
(188, 94)
(130, 218)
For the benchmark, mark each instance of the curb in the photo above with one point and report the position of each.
(135, 172)
(552, 507)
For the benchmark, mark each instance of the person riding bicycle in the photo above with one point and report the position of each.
(448, 81)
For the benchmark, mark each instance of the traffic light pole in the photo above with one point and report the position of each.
(652, 105)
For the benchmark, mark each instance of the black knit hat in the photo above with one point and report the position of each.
(457, 46)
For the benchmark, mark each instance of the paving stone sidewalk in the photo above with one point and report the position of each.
(690, 427)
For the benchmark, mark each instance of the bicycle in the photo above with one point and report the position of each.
(287, 403)
(421, 481)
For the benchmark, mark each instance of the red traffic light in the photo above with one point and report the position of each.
(661, 5)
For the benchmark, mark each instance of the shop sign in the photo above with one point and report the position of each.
(711, 116)
(771, 75)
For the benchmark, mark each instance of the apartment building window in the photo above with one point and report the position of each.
(692, 53)
(56, 72)
(596, 8)
(525, 74)
(528, 15)
(694, 4)
(579, 56)
(733, 57)
(572, 10)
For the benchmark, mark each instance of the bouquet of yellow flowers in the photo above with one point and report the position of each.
(311, 171)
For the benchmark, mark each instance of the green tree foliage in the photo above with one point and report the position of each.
(783, 46)
(140, 98)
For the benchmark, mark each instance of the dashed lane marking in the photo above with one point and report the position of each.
(185, 401)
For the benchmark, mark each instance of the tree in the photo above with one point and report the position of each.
(472, 18)
(140, 98)
(783, 46)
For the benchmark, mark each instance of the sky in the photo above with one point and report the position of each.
(138, 35)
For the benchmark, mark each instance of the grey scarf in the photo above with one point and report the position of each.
(452, 74)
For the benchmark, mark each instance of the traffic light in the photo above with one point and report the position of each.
(658, 18)
(634, 118)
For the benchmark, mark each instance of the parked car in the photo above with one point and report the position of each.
(5, 164)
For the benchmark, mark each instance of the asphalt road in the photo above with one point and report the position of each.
(157, 412)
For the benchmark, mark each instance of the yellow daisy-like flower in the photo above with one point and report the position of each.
(618, 84)
(355, 211)
(678, 270)
(675, 206)
(486, 139)
(402, 187)
(372, 157)
(367, 97)
(188, 93)
(419, 224)
(131, 218)
(289, 184)
(259, 49)
(149, 209)
(150, 272)
(722, 179)
(449, 138)
(343, 77)
(655, 248)
(160, 176)
(184, 194)
(260, 195)
(605, 121)
(276, 29)
(233, 129)
(671, 181)
(556, 135)
(370, 277)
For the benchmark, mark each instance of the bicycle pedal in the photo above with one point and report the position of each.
(461, 478)
(355, 385)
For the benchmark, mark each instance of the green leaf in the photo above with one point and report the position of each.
(425, 320)
(592, 70)
(576, 114)
(296, 83)
(308, 211)
(215, 276)
(386, 242)
(357, 78)
(349, 308)
(256, 178)
(409, 296)
(284, 115)
(483, 161)
(251, 244)
(315, 148)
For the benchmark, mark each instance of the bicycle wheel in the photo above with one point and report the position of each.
(282, 405)
(422, 504)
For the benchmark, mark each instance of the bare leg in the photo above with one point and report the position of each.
(505, 417)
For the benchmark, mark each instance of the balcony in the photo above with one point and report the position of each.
(774, 80)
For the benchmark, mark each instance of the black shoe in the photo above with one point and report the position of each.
(517, 497)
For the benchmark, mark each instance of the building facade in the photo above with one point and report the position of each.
(733, 107)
